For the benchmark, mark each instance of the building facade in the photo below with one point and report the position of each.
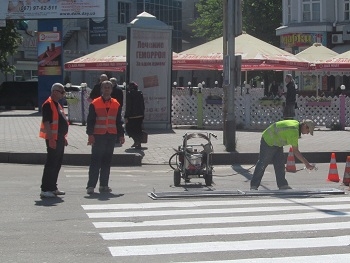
(83, 36)
(306, 22)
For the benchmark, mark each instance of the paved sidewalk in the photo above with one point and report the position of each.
(20, 144)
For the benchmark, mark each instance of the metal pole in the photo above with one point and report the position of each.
(224, 52)
(230, 122)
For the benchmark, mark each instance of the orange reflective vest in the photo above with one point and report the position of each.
(55, 118)
(106, 121)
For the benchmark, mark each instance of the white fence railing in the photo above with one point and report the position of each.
(250, 111)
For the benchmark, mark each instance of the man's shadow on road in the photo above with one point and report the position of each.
(49, 201)
(103, 196)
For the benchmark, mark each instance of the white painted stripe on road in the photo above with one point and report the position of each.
(222, 220)
(76, 175)
(247, 245)
(191, 203)
(119, 171)
(229, 210)
(224, 231)
(339, 258)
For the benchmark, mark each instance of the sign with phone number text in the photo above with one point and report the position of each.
(53, 9)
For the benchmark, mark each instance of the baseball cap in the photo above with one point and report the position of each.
(311, 125)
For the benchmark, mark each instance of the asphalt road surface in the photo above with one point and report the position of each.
(129, 226)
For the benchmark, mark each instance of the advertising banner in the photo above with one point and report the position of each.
(49, 53)
(98, 32)
(48, 9)
(150, 59)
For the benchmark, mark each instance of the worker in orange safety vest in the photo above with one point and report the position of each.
(104, 125)
(54, 129)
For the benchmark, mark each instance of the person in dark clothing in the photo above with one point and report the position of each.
(289, 109)
(117, 93)
(96, 91)
(54, 128)
(274, 88)
(134, 114)
(103, 125)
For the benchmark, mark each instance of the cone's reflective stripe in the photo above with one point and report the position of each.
(290, 167)
(333, 170)
(106, 120)
(54, 123)
(346, 177)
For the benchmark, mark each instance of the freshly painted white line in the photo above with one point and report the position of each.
(222, 220)
(191, 203)
(247, 245)
(224, 231)
(338, 258)
(230, 210)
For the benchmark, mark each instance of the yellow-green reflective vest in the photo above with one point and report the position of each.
(282, 133)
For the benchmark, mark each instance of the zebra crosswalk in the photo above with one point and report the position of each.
(236, 230)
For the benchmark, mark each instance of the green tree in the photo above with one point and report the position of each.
(209, 23)
(9, 42)
(259, 18)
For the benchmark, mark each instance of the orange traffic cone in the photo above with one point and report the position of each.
(346, 178)
(290, 167)
(333, 170)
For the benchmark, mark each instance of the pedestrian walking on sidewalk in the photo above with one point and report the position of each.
(54, 129)
(289, 108)
(117, 93)
(134, 114)
(96, 90)
(277, 135)
(103, 125)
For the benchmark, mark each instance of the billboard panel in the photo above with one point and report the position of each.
(51, 9)
(150, 64)
(49, 53)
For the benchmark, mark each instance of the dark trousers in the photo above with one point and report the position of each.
(289, 111)
(101, 157)
(134, 129)
(53, 164)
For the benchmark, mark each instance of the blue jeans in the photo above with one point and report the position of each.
(101, 157)
(267, 155)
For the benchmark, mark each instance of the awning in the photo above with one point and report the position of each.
(256, 55)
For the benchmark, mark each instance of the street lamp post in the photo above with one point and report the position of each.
(200, 106)
(216, 83)
(342, 107)
(83, 90)
(190, 87)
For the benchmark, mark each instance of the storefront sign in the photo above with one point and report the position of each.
(302, 39)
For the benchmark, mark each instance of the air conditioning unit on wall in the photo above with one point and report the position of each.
(337, 39)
